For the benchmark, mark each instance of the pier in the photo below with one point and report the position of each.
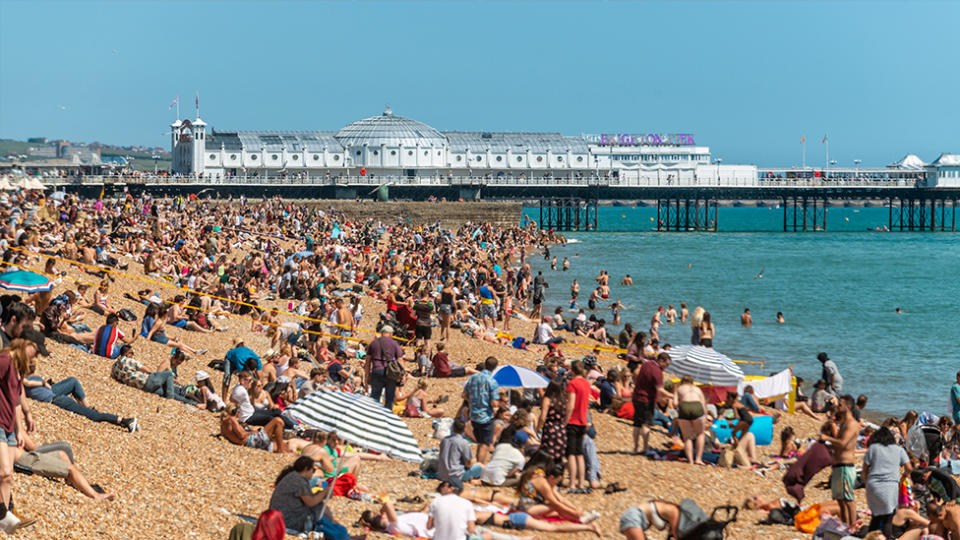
(570, 203)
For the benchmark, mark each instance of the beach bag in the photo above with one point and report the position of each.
(726, 458)
(808, 519)
(710, 528)
(126, 315)
(519, 343)
(411, 411)
(394, 371)
(442, 428)
(691, 516)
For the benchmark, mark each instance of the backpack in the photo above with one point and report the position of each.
(694, 524)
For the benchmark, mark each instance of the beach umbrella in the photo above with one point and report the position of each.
(24, 281)
(33, 183)
(358, 420)
(519, 377)
(705, 365)
(297, 256)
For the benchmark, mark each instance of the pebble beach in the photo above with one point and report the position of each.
(176, 479)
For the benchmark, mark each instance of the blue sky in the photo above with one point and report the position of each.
(747, 78)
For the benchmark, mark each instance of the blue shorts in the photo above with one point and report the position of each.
(10, 437)
(634, 518)
(518, 521)
(182, 323)
(160, 338)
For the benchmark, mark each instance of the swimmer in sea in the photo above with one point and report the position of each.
(626, 281)
(671, 315)
(594, 298)
(780, 318)
(684, 314)
(574, 291)
(746, 319)
(899, 312)
(615, 308)
(566, 264)
(553, 263)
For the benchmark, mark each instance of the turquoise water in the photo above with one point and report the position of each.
(838, 292)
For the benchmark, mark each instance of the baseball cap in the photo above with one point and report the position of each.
(387, 329)
(202, 375)
(520, 438)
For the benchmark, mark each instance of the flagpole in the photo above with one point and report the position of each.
(178, 108)
(803, 152)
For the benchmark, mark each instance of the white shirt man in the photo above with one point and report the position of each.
(241, 397)
(451, 516)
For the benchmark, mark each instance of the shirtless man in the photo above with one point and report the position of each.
(684, 314)
(345, 319)
(671, 315)
(944, 519)
(603, 278)
(626, 281)
(842, 448)
(746, 319)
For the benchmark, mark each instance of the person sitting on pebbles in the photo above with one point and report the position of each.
(270, 438)
(55, 460)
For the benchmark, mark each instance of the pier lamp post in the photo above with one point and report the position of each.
(833, 163)
(719, 161)
(856, 164)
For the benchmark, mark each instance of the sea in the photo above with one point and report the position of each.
(838, 291)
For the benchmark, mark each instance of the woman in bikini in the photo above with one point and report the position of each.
(692, 407)
(660, 515)
(706, 330)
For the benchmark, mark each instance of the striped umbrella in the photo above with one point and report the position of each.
(24, 281)
(705, 365)
(358, 420)
(519, 377)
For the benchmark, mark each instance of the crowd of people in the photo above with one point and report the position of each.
(211, 265)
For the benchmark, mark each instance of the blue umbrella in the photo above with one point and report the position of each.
(519, 377)
(24, 281)
(297, 257)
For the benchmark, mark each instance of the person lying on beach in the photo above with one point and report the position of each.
(55, 460)
(269, 438)
(537, 493)
(661, 515)
(68, 394)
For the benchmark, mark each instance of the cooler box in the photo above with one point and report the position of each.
(762, 429)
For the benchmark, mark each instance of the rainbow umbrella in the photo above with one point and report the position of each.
(24, 281)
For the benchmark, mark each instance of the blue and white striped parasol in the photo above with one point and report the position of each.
(358, 420)
(705, 365)
(519, 377)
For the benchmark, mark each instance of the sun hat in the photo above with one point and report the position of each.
(202, 375)
(387, 329)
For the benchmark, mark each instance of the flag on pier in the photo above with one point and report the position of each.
(803, 139)
(174, 102)
(824, 138)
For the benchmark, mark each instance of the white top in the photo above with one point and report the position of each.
(506, 458)
(451, 514)
(242, 398)
(212, 396)
(411, 524)
(543, 333)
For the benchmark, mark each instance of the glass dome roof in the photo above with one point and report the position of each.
(389, 130)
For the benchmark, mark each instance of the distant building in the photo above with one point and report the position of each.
(46, 150)
(387, 145)
(37, 140)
